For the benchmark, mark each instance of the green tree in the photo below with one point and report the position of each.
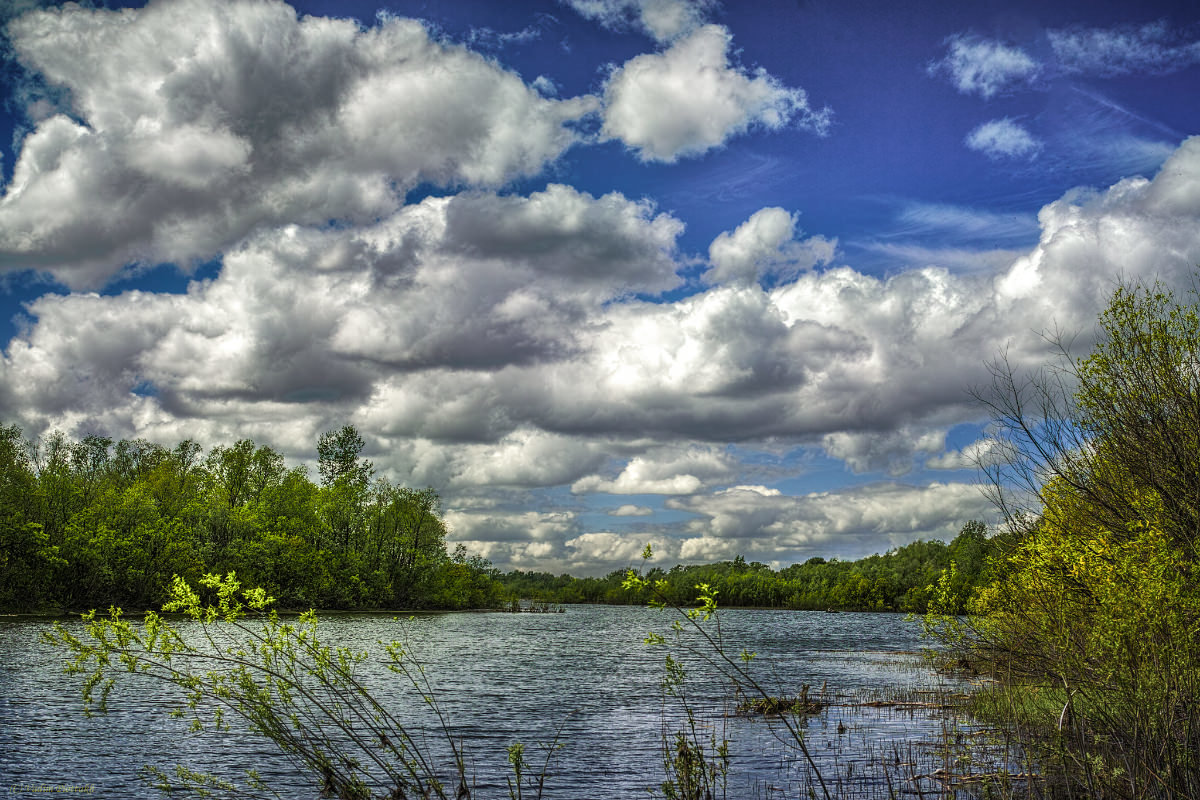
(27, 557)
(1096, 589)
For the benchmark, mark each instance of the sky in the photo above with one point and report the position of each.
(714, 277)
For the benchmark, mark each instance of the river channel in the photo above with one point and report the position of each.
(583, 678)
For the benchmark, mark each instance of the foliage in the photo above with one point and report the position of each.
(96, 523)
(1094, 599)
(900, 580)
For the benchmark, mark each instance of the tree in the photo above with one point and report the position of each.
(1097, 588)
(339, 458)
(1128, 412)
(27, 558)
(346, 479)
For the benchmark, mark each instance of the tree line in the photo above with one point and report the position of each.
(903, 579)
(93, 523)
(97, 522)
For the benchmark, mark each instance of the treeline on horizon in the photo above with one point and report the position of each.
(903, 579)
(93, 523)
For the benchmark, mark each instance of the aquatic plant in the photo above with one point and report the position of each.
(236, 658)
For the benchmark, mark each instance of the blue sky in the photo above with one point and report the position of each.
(715, 277)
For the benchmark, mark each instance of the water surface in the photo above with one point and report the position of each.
(582, 678)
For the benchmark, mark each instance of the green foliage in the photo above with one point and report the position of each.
(900, 580)
(1093, 600)
(93, 523)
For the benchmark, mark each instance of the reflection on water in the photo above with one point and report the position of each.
(584, 677)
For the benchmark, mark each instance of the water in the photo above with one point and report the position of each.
(583, 678)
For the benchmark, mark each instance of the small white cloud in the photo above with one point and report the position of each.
(1108, 52)
(763, 244)
(689, 99)
(983, 66)
(980, 453)
(629, 510)
(665, 20)
(1003, 138)
(546, 86)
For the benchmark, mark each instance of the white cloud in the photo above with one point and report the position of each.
(984, 66)
(502, 327)
(892, 451)
(765, 244)
(1109, 52)
(665, 20)
(617, 549)
(689, 99)
(629, 510)
(982, 452)
(551, 528)
(1003, 138)
(201, 121)
(491, 344)
(673, 471)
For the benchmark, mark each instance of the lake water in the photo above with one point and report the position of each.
(584, 676)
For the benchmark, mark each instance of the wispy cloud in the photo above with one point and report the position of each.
(984, 66)
(1109, 52)
(958, 259)
(961, 224)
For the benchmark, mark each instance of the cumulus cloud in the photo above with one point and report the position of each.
(190, 124)
(690, 99)
(518, 334)
(765, 244)
(665, 20)
(892, 451)
(672, 471)
(553, 541)
(337, 321)
(1108, 52)
(497, 343)
(984, 66)
(1003, 138)
(551, 528)
(758, 522)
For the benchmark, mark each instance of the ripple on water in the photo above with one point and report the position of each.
(584, 676)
